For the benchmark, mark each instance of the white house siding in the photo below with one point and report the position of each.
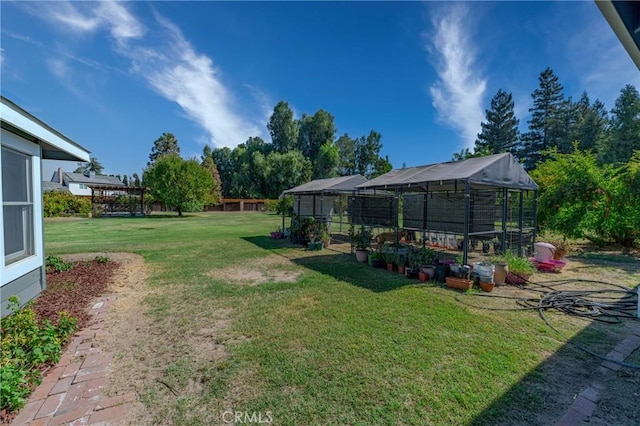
(75, 189)
(25, 274)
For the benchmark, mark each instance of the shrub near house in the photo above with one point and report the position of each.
(62, 203)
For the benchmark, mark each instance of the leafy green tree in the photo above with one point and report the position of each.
(136, 180)
(382, 166)
(286, 170)
(326, 162)
(180, 184)
(367, 153)
(125, 180)
(624, 132)
(548, 123)
(165, 144)
(92, 166)
(465, 153)
(500, 131)
(283, 128)
(580, 198)
(215, 195)
(223, 159)
(347, 155)
(315, 131)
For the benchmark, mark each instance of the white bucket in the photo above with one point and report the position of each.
(484, 270)
(544, 251)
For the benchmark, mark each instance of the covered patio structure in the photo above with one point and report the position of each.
(458, 205)
(117, 200)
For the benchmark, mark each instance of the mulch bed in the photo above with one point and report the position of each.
(73, 290)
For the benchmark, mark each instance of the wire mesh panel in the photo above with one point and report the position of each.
(372, 210)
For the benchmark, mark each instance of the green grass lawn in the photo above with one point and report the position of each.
(333, 342)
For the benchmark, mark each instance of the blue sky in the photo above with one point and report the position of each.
(115, 76)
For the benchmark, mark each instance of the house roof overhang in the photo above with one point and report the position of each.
(624, 19)
(55, 145)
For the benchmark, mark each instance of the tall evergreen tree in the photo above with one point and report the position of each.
(500, 131)
(165, 144)
(547, 126)
(590, 123)
(624, 131)
(283, 128)
(223, 159)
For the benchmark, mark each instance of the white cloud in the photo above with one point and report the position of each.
(458, 93)
(59, 68)
(172, 67)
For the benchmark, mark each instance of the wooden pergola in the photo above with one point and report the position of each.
(117, 200)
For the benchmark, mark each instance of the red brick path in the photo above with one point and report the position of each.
(70, 393)
(586, 402)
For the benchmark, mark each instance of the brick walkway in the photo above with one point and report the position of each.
(70, 393)
(586, 402)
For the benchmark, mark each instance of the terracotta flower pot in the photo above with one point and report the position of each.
(458, 283)
(485, 286)
(390, 267)
(422, 276)
(401, 269)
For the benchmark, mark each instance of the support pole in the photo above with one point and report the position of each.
(535, 218)
(467, 212)
(520, 222)
(505, 212)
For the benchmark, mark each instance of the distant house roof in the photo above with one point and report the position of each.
(80, 178)
(53, 186)
(55, 145)
(337, 185)
(498, 170)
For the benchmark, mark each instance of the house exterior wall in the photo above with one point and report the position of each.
(26, 287)
(76, 189)
(24, 277)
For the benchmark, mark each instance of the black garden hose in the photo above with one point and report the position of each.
(607, 305)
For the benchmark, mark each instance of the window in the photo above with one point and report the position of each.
(17, 205)
(82, 186)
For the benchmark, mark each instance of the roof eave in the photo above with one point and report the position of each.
(612, 15)
(55, 146)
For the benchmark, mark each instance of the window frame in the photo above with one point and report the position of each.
(17, 268)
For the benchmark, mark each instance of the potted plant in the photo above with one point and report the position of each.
(390, 258)
(414, 260)
(375, 259)
(361, 241)
(520, 268)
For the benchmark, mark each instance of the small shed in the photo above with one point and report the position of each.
(458, 204)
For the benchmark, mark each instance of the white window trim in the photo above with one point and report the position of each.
(22, 267)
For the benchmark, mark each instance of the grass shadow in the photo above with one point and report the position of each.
(338, 265)
(546, 393)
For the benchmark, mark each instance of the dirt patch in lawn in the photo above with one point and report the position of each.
(265, 270)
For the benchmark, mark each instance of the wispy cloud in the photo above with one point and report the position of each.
(172, 67)
(458, 93)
